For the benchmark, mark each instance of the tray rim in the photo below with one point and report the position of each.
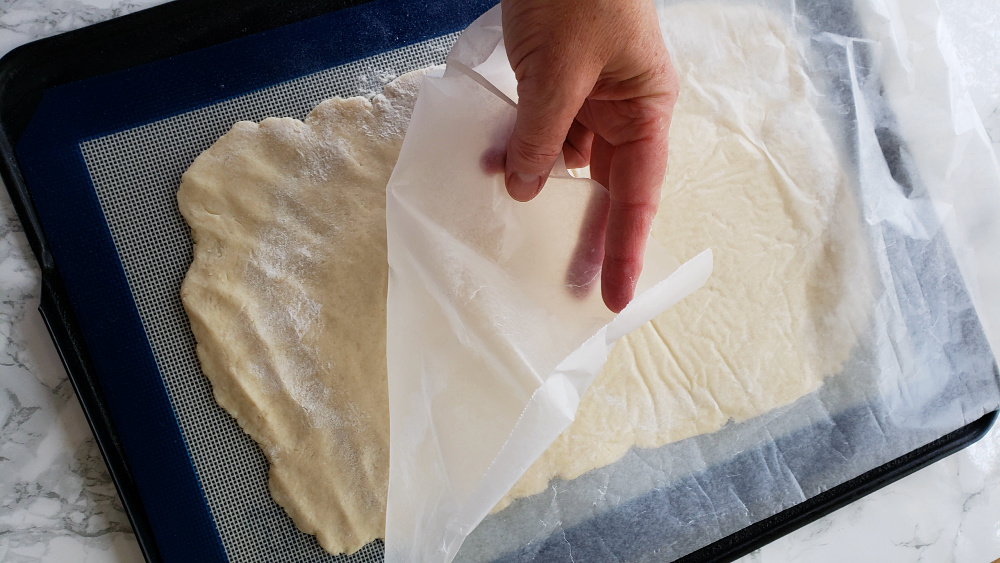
(110, 44)
(761, 533)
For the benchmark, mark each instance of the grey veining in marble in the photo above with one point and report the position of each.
(57, 502)
(26, 20)
(56, 497)
(55, 492)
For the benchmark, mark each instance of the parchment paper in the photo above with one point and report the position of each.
(929, 189)
(492, 336)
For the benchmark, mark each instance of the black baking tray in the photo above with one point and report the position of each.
(28, 72)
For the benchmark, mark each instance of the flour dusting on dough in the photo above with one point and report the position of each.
(287, 292)
(286, 297)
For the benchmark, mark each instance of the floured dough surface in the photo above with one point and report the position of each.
(287, 299)
(286, 294)
(754, 176)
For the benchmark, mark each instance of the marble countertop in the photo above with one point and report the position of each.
(57, 502)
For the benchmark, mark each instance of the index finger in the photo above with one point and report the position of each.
(637, 171)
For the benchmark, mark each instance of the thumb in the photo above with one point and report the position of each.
(546, 108)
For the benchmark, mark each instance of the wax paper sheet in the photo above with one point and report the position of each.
(927, 187)
(495, 319)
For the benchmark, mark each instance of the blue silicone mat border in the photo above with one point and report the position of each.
(81, 244)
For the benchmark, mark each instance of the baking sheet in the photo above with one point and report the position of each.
(791, 459)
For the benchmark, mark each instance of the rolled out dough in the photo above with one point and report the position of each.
(287, 301)
(753, 175)
(287, 291)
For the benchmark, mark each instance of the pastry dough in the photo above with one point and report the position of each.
(287, 297)
(754, 176)
(287, 291)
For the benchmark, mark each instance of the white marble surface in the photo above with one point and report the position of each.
(57, 502)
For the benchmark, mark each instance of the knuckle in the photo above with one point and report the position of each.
(623, 264)
(533, 150)
(640, 212)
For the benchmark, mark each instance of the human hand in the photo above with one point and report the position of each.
(594, 81)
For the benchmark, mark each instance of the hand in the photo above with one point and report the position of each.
(594, 81)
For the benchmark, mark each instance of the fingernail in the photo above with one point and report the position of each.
(524, 186)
